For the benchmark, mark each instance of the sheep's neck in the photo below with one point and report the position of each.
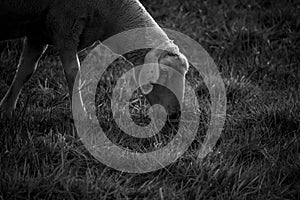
(131, 15)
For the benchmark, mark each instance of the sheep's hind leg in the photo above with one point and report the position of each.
(71, 65)
(32, 51)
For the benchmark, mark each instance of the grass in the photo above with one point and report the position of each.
(256, 47)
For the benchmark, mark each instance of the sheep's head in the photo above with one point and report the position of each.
(162, 77)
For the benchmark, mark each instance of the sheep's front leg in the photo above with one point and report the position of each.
(32, 51)
(71, 67)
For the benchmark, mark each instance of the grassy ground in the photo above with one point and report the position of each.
(256, 45)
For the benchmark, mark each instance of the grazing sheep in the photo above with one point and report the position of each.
(73, 25)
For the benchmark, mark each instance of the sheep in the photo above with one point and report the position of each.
(73, 25)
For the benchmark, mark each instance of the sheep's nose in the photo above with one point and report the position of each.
(174, 115)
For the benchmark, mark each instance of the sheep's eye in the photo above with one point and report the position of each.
(172, 54)
(164, 68)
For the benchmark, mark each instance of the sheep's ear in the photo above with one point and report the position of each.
(149, 73)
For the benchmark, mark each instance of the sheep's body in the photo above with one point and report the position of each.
(69, 25)
(79, 22)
